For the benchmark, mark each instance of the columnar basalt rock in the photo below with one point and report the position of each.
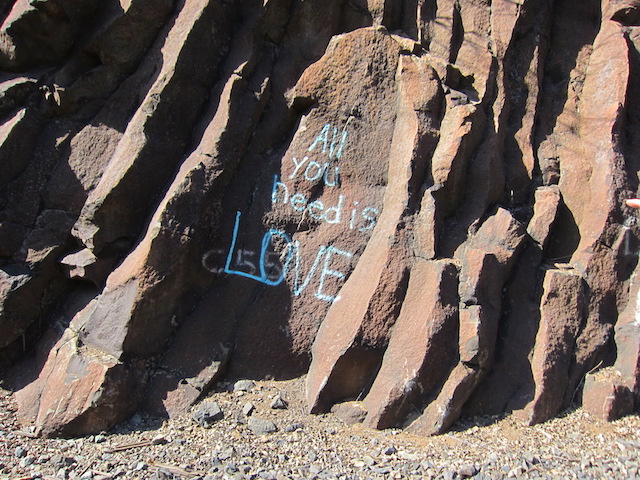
(420, 205)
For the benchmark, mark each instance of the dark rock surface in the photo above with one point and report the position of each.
(419, 204)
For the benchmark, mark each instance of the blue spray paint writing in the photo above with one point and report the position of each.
(267, 266)
(279, 255)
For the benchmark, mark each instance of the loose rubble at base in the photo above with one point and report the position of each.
(574, 445)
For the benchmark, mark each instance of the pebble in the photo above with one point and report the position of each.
(321, 451)
(19, 452)
(226, 453)
(28, 460)
(261, 426)
(207, 413)
(279, 403)
(389, 450)
(449, 475)
(244, 385)
(293, 427)
(159, 440)
(467, 471)
(248, 409)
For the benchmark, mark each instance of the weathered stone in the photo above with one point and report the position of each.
(350, 412)
(562, 313)
(545, 211)
(82, 391)
(149, 164)
(248, 409)
(612, 393)
(606, 397)
(509, 385)
(261, 426)
(595, 198)
(183, 391)
(257, 186)
(342, 364)
(15, 92)
(34, 34)
(244, 385)
(29, 283)
(426, 323)
(279, 403)
(626, 12)
(16, 144)
(486, 265)
(207, 413)
(85, 265)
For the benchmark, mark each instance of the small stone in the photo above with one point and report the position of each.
(261, 426)
(99, 439)
(248, 409)
(315, 469)
(207, 414)
(88, 475)
(268, 475)
(27, 461)
(226, 453)
(515, 472)
(243, 385)
(531, 458)
(162, 474)
(279, 403)
(159, 440)
(350, 412)
(44, 458)
(467, 471)
(19, 452)
(136, 420)
(426, 464)
(293, 427)
(449, 475)
(389, 450)
(369, 461)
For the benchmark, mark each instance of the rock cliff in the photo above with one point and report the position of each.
(417, 203)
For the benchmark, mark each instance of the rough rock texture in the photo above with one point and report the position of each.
(418, 203)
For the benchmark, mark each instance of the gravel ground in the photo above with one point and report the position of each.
(241, 445)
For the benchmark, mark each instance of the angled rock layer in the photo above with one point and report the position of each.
(420, 205)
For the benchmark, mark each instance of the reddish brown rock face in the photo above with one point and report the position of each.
(420, 205)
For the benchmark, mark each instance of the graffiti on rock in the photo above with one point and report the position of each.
(279, 256)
